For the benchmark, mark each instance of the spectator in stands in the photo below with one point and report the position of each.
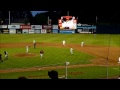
(22, 77)
(53, 74)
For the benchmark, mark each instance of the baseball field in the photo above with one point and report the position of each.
(97, 59)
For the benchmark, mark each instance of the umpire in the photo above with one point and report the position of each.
(34, 43)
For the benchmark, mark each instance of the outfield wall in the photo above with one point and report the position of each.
(108, 29)
(37, 29)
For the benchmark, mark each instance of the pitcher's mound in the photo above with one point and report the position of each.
(25, 55)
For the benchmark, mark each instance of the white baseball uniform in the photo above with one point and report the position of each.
(34, 43)
(82, 43)
(71, 50)
(119, 60)
(63, 42)
(6, 55)
(27, 49)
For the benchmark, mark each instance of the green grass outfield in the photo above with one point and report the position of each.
(56, 56)
(91, 39)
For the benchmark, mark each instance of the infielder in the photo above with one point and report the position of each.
(71, 50)
(6, 54)
(63, 42)
(27, 49)
(34, 43)
(82, 44)
(41, 53)
(119, 60)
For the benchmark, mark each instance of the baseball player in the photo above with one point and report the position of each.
(82, 44)
(1, 57)
(41, 53)
(63, 42)
(71, 50)
(34, 43)
(27, 49)
(119, 60)
(119, 77)
(6, 54)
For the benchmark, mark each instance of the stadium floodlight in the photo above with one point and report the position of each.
(9, 17)
(66, 64)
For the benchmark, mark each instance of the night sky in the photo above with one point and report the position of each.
(35, 12)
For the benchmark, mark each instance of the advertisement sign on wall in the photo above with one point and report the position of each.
(25, 26)
(31, 31)
(49, 31)
(36, 26)
(3, 26)
(67, 31)
(5, 31)
(86, 27)
(55, 26)
(55, 31)
(43, 31)
(12, 31)
(79, 30)
(67, 23)
(14, 26)
(24, 31)
(49, 27)
(37, 30)
(18, 30)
